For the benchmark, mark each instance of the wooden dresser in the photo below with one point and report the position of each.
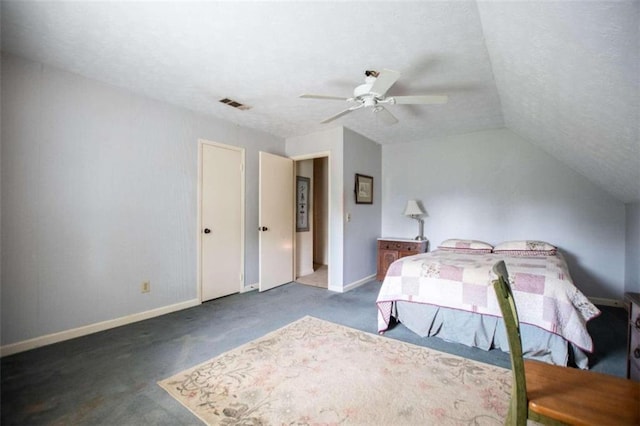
(392, 249)
(633, 349)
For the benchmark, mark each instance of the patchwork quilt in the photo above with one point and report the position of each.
(544, 293)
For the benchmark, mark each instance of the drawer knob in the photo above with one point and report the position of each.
(636, 352)
(638, 322)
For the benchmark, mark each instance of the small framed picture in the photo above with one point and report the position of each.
(302, 203)
(364, 189)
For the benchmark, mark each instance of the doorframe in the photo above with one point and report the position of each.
(321, 154)
(201, 143)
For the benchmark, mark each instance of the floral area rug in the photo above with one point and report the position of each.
(314, 372)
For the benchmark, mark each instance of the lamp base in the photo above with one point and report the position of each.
(420, 236)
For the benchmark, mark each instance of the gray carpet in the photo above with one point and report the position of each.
(110, 377)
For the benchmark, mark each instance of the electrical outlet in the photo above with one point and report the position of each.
(145, 287)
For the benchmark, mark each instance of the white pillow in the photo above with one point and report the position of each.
(526, 248)
(466, 246)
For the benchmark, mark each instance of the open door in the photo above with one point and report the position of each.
(275, 221)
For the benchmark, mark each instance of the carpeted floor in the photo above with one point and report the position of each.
(111, 377)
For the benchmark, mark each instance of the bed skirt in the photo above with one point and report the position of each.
(486, 332)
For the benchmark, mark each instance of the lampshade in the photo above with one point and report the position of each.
(413, 209)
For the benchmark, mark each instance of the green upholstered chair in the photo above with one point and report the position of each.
(552, 394)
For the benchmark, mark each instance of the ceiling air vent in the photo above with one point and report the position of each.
(235, 104)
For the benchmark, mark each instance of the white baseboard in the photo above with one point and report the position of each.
(358, 283)
(607, 302)
(250, 287)
(48, 339)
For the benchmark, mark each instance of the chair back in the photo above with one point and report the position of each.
(518, 408)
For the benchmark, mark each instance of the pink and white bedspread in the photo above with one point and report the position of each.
(543, 290)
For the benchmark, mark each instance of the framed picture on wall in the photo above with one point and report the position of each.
(302, 203)
(364, 189)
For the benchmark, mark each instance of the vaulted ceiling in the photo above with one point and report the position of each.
(563, 75)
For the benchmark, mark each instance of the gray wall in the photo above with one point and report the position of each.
(363, 156)
(99, 194)
(632, 270)
(494, 186)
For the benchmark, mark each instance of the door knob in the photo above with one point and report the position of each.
(263, 228)
(207, 230)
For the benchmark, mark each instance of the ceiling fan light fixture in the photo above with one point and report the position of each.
(369, 101)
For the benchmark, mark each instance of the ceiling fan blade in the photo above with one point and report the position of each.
(338, 115)
(385, 115)
(425, 100)
(384, 81)
(341, 113)
(309, 96)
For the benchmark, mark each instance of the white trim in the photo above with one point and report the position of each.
(250, 287)
(48, 339)
(607, 302)
(242, 151)
(358, 283)
(321, 154)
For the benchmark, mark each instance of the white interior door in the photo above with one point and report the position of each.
(222, 217)
(275, 221)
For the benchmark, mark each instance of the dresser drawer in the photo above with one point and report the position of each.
(400, 246)
(634, 352)
(634, 317)
(634, 341)
(633, 355)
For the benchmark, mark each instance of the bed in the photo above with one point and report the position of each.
(448, 293)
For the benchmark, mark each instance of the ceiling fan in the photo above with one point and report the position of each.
(372, 94)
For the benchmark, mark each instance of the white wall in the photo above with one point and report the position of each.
(632, 270)
(363, 156)
(328, 142)
(304, 239)
(99, 194)
(495, 186)
(321, 210)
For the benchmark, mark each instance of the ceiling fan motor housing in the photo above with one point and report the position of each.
(364, 94)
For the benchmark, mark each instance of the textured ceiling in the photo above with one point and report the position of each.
(565, 76)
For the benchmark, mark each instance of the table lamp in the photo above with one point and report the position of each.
(415, 211)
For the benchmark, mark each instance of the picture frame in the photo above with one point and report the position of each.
(302, 203)
(364, 189)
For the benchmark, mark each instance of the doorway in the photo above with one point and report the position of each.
(312, 241)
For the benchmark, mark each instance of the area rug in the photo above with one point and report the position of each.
(314, 372)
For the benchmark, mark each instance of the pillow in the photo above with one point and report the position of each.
(526, 248)
(465, 246)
